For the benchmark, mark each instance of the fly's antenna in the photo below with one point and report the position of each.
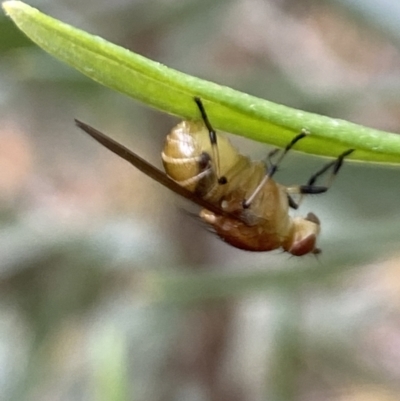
(273, 167)
(213, 139)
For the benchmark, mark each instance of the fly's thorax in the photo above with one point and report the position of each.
(188, 159)
(270, 204)
(238, 233)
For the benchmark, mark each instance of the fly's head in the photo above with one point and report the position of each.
(304, 236)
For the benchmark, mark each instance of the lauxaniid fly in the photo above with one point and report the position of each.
(239, 197)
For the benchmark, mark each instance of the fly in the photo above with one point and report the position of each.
(239, 197)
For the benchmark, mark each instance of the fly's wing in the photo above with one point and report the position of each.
(148, 168)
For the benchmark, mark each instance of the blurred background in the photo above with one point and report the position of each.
(110, 290)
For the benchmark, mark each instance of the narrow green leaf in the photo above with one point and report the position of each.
(171, 91)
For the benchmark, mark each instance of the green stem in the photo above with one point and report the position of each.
(171, 91)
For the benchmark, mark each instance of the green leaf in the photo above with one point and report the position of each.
(172, 91)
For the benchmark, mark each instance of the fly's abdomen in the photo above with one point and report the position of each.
(187, 159)
(184, 160)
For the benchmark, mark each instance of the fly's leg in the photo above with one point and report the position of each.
(310, 187)
(213, 139)
(270, 155)
(273, 166)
